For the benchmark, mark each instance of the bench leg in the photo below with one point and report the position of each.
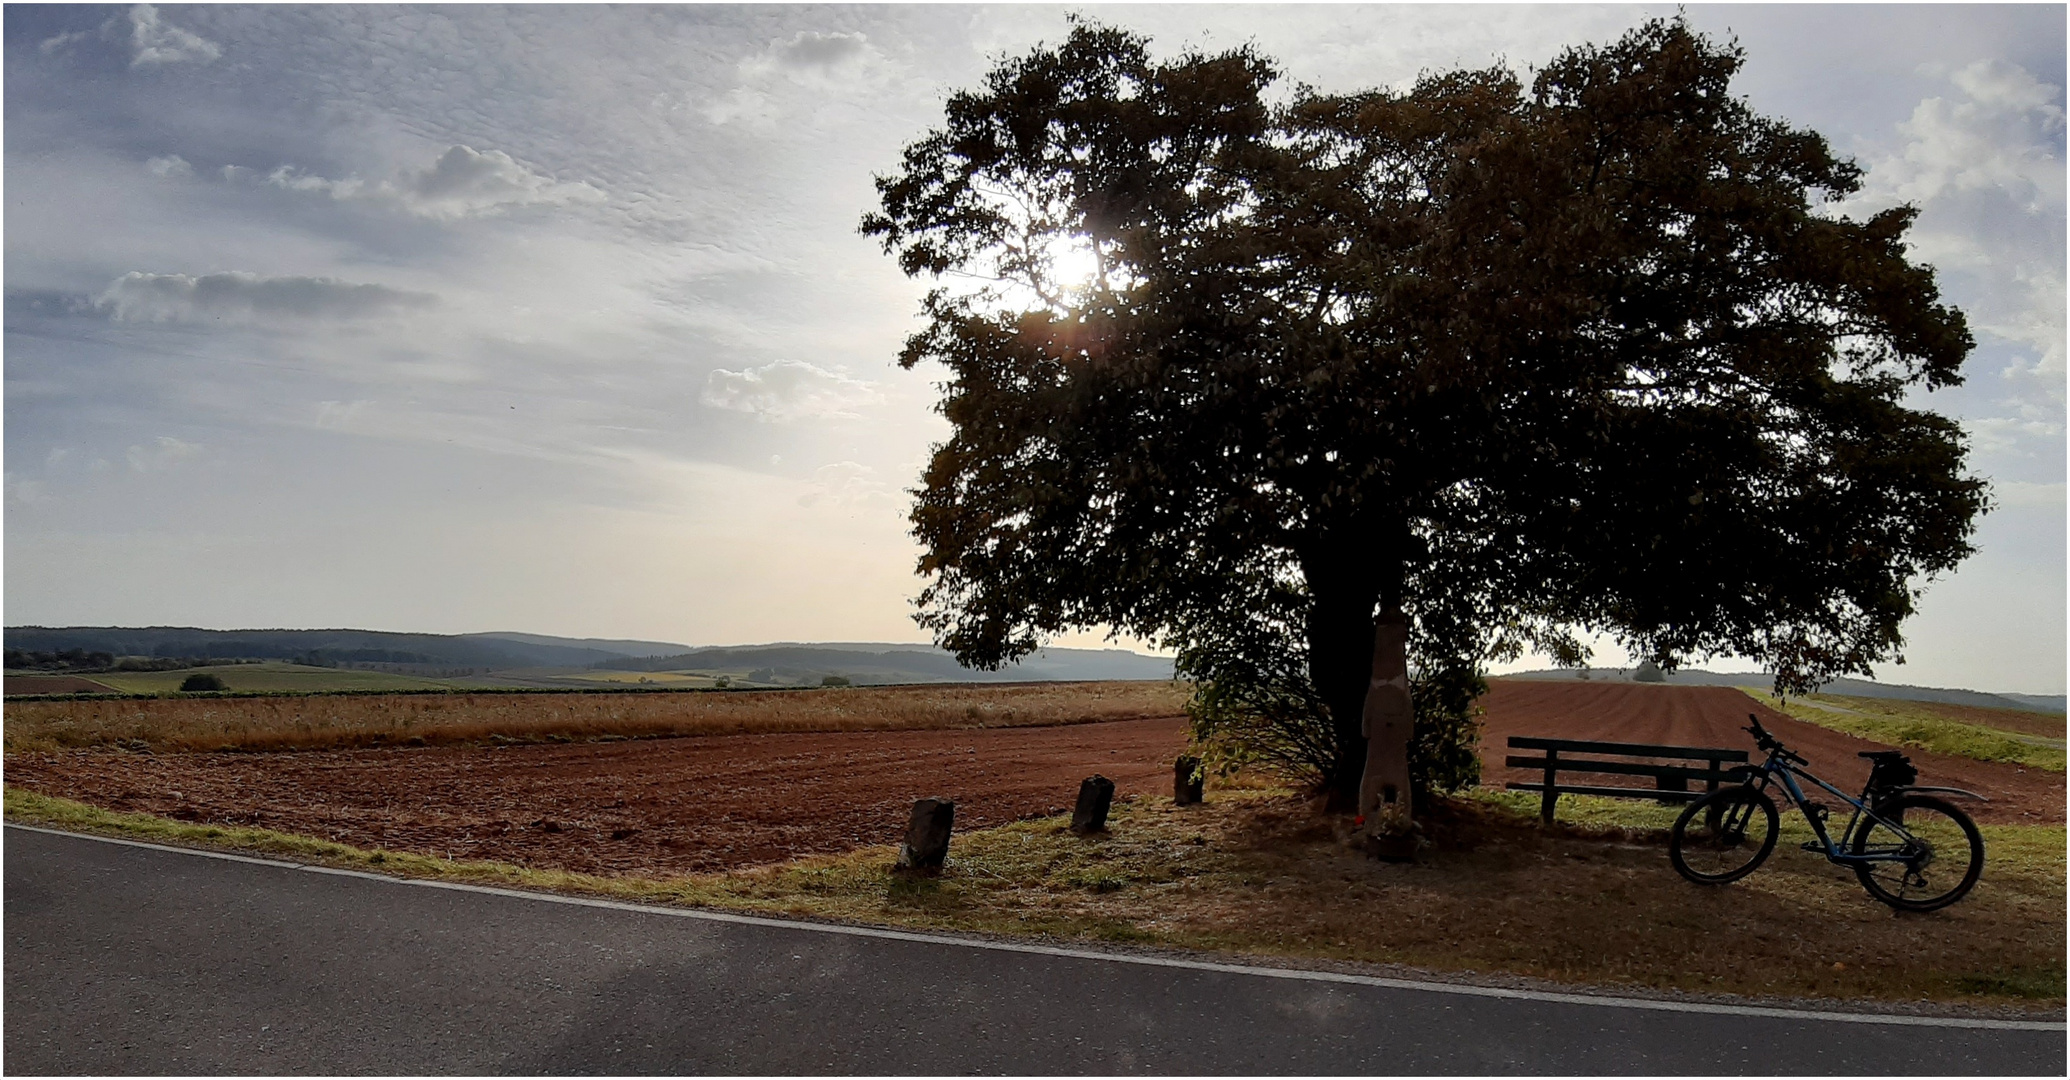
(1552, 795)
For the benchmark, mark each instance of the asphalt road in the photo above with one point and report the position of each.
(130, 959)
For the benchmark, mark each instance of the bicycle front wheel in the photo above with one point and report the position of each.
(1723, 836)
(1922, 854)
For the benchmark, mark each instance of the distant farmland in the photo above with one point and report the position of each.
(204, 723)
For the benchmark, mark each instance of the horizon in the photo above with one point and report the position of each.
(583, 334)
(1520, 667)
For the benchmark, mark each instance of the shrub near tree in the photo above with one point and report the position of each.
(200, 681)
(1511, 364)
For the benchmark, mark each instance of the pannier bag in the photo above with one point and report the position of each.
(1890, 770)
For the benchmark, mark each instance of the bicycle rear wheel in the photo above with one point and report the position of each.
(1933, 853)
(1723, 836)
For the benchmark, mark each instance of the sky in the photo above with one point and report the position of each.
(557, 319)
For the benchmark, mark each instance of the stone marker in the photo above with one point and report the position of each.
(927, 837)
(1390, 714)
(1095, 795)
(1187, 780)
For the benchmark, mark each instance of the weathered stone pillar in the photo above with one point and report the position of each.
(927, 837)
(1383, 791)
(1095, 796)
(1187, 781)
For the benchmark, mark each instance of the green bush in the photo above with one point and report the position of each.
(201, 680)
(834, 680)
(1254, 704)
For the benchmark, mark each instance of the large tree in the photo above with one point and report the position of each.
(1593, 357)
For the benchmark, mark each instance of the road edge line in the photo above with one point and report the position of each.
(1299, 974)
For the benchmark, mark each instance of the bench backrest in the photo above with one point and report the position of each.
(1584, 746)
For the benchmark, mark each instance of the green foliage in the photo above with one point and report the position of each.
(1254, 704)
(1444, 746)
(834, 680)
(202, 680)
(1526, 363)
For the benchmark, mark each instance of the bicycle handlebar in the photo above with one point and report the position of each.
(1769, 742)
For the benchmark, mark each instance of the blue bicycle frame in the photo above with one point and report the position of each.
(1787, 766)
(1816, 814)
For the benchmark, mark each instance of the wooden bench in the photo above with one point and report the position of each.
(1671, 782)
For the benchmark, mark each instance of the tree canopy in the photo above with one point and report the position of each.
(1591, 356)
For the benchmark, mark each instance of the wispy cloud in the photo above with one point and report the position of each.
(164, 454)
(155, 41)
(847, 483)
(788, 70)
(788, 390)
(170, 165)
(240, 296)
(463, 182)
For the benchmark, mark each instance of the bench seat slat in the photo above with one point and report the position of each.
(1622, 768)
(1533, 742)
(1618, 792)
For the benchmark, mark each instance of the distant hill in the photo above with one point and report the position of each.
(884, 662)
(306, 646)
(620, 648)
(783, 663)
(1851, 687)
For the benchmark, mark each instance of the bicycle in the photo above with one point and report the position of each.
(1909, 849)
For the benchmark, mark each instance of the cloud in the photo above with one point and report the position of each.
(845, 483)
(812, 49)
(22, 489)
(809, 60)
(53, 44)
(239, 296)
(1999, 138)
(1983, 163)
(156, 41)
(161, 456)
(170, 165)
(463, 182)
(787, 390)
(2023, 493)
(2009, 435)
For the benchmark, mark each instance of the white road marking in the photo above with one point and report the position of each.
(1114, 958)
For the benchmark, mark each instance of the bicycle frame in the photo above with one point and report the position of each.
(1778, 767)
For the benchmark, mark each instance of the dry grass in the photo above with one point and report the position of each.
(1263, 873)
(343, 721)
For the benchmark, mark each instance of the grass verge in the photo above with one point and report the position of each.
(1915, 725)
(1589, 900)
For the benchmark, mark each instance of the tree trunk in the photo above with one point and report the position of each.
(1342, 593)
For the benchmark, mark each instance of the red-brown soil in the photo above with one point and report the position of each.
(713, 802)
(649, 806)
(1714, 716)
(53, 684)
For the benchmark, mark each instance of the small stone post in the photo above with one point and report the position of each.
(927, 837)
(1187, 781)
(1095, 796)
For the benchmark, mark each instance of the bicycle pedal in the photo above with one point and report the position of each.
(1813, 845)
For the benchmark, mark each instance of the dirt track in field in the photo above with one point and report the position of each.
(1713, 716)
(714, 802)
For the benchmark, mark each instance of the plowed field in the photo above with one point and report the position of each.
(1713, 716)
(699, 803)
(648, 806)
